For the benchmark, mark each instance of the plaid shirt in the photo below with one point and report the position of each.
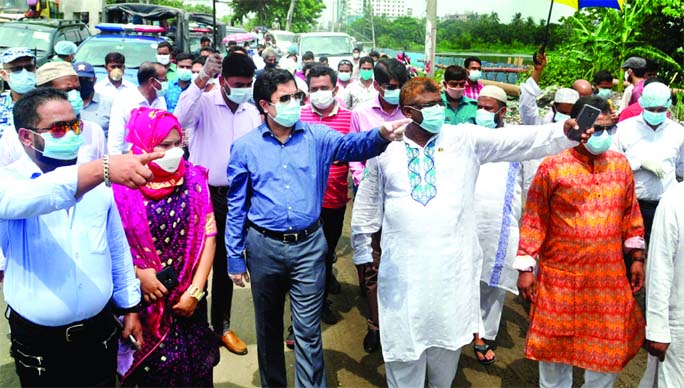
(472, 91)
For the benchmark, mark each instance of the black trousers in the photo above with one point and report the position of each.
(82, 354)
(222, 286)
(333, 220)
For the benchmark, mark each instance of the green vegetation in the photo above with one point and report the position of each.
(306, 12)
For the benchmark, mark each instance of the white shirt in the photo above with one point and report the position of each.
(626, 96)
(665, 290)
(105, 87)
(428, 284)
(529, 110)
(123, 104)
(665, 145)
(356, 94)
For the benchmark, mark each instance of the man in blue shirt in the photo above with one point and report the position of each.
(69, 266)
(96, 107)
(278, 174)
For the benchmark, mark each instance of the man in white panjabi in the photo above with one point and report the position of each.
(499, 192)
(665, 294)
(421, 193)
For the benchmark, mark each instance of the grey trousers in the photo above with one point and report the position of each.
(277, 268)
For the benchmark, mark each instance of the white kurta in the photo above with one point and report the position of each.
(423, 198)
(665, 291)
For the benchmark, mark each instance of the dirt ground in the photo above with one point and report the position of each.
(347, 365)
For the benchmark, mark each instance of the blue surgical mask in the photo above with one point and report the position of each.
(344, 77)
(22, 82)
(475, 75)
(485, 118)
(654, 118)
(63, 148)
(598, 144)
(164, 88)
(287, 113)
(75, 100)
(184, 75)
(239, 95)
(391, 96)
(433, 118)
(605, 93)
(560, 117)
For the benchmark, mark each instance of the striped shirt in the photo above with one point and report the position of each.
(340, 119)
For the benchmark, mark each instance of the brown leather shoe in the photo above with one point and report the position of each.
(233, 343)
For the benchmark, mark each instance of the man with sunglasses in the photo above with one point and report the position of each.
(390, 75)
(581, 214)
(654, 146)
(19, 73)
(459, 108)
(420, 193)
(152, 87)
(219, 118)
(278, 175)
(69, 268)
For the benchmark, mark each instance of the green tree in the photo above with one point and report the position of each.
(266, 11)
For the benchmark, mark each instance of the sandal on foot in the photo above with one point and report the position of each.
(483, 349)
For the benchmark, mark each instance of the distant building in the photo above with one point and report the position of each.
(460, 16)
(352, 9)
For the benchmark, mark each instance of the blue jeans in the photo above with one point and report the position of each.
(277, 268)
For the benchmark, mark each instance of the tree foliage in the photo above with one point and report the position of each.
(265, 12)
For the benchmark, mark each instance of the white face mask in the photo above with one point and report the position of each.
(322, 99)
(171, 160)
(164, 59)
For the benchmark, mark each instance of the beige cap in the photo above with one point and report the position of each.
(53, 70)
(494, 92)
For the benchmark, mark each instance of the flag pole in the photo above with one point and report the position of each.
(542, 49)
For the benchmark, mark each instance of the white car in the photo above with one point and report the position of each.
(334, 45)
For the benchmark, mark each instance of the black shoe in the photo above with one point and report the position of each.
(334, 286)
(372, 341)
(328, 315)
(289, 341)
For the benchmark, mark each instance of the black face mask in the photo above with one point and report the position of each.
(270, 65)
(87, 88)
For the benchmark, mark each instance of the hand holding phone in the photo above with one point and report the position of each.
(585, 120)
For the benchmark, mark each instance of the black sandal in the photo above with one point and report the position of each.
(483, 349)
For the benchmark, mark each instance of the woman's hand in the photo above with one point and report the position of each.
(152, 289)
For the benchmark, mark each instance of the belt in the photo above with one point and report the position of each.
(220, 190)
(648, 204)
(72, 332)
(287, 237)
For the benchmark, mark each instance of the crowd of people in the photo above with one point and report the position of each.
(119, 201)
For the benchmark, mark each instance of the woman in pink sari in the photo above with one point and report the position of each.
(170, 227)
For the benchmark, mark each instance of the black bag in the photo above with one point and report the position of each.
(169, 278)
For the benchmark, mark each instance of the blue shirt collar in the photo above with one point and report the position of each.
(264, 129)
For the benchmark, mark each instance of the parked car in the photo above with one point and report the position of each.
(334, 45)
(138, 43)
(202, 24)
(174, 21)
(41, 35)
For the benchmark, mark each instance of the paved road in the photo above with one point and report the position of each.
(346, 362)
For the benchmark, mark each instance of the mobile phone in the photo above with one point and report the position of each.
(168, 277)
(131, 338)
(585, 120)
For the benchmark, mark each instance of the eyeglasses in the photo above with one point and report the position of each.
(598, 129)
(60, 128)
(299, 95)
(427, 105)
(30, 67)
(389, 86)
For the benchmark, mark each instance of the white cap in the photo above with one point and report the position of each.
(654, 95)
(494, 92)
(566, 96)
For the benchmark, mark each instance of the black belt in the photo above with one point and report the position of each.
(287, 237)
(648, 204)
(220, 190)
(72, 332)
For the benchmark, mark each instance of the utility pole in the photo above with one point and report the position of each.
(213, 28)
(431, 36)
(372, 22)
(290, 12)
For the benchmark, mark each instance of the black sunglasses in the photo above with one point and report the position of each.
(389, 86)
(428, 105)
(30, 67)
(598, 129)
(299, 95)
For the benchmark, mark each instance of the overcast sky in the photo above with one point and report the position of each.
(538, 9)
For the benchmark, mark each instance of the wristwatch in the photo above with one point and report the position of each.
(195, 292)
